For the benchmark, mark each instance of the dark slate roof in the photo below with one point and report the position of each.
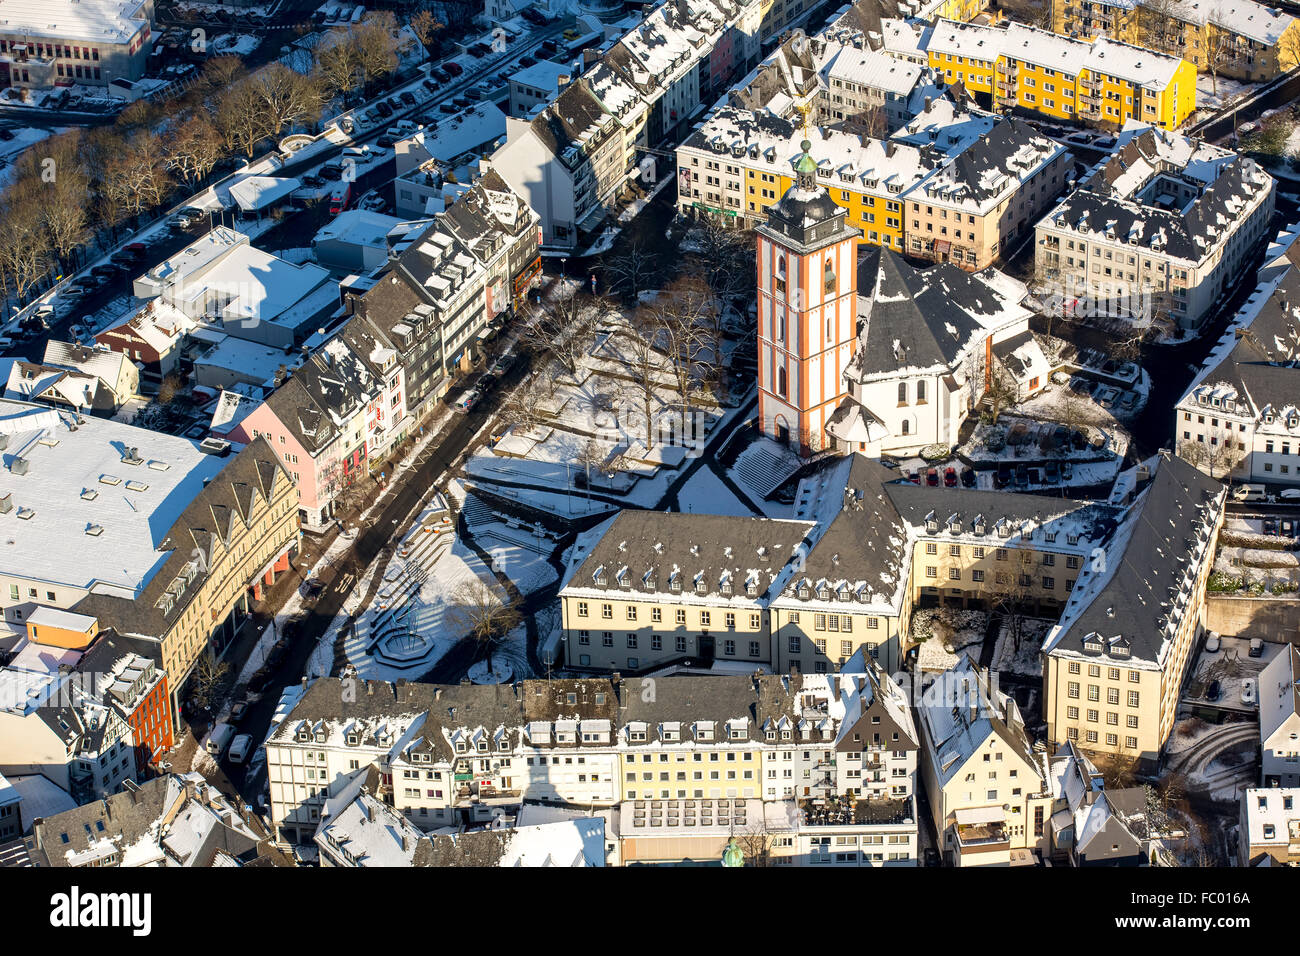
(1165, 520)
(131, 816)
(214, 512)
(707, 698)
(864, 546)
(1012, 147)
(930, 313)
(324, 387)
(703, 547)
(567, 117)
(1093, 520)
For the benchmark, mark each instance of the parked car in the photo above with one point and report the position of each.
(1256, 647)
(485, 383)
(1212, 642)
(503, 364)
(6, 134)
(1003, 477)
(331, 171)
(107, 271)
(461, 101)
(384, 110)
(913, 476)
(241, 748)
(968, 478)
(1052, 473)
(386, 141)
(1214, 690)
(932, 477)
(429, 85)
(440, 74)
(237, 711)
(467, 401)
(1022, 476)
(950, 478)
(455, 69)
(1067, 471)
(447, 108)
(218, 739)
(136, 248)
(527, 61)
(1248, 691)
(347, 126)
(312, 181)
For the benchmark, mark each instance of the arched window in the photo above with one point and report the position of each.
(830, 327)
(902, 393)
(780, 274)
(780, 327)
(830, 277)
(920, 391)
(780, 382)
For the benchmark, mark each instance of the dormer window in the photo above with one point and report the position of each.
(460, 747)
(482, 746)
(503, 743)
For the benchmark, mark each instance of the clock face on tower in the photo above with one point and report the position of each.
(807, 310)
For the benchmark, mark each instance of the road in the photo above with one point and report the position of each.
(377, 534)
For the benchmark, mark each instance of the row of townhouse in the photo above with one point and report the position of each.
(1127, 578)
(952, 185)
(1159, 230)
(823, 766)
(449, 287)
(1104, 81)
(334, 416)
(1240, 416)
(572, 156)
(1235, 38)
(152, 535)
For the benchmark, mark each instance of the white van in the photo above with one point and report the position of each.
(241, 748)
(1250, 493)
(219, 739)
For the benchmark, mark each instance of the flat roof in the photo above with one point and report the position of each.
(77, 480)
(98, 21)
(250, 359)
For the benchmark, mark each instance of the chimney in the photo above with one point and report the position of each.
(437, 693)
(563, 80)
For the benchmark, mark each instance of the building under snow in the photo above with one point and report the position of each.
(1156, 233)
(1240, 416)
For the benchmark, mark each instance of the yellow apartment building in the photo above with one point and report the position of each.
(1105, 82)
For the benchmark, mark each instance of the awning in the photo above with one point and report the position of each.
(977, 815)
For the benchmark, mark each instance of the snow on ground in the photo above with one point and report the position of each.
(706, 494)
(519, 554)
(634, 210)
(236, 44)
(1228, 91)
(945, 634)
(1026, 661)
(412, 621)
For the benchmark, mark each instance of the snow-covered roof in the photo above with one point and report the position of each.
(1255, 21)
(94, 21)
(76, 479)
(253, 193)
(1272, 816)
(472, 129)
(360, 227)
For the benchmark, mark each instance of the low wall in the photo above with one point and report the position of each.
(1269, 618)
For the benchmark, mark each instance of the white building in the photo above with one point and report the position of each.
(1269, 827)
(1279, 720)
(1162, 227)
(1240, 417)
(921, 364)
(88, 505)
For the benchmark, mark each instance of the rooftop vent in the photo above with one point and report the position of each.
(19, 466)
(131, 456)
(89, 494)
(94, 530)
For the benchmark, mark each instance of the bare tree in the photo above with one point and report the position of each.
(338, 67)
(630, 271)
(590, 454)
(683, 320)
(1001, 392)
(240, 118)
(136, 178)
(755, 843)
(1158, 26)
(487, 612)
(523, 406)
(24, 242)
(376, 43)
(1221, 53)
(1011, 594)
(209, 681)
(562, 328)
(644, 362)
(426, 26)
(287, 97)
(192, 149)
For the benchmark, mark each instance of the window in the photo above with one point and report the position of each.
(902, 393)
(582, 609)
(1133, 698)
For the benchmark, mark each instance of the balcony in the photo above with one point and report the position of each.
(849, 810)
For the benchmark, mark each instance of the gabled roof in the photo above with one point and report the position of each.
(925, 318)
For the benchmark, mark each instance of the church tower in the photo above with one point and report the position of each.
(807, 310)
